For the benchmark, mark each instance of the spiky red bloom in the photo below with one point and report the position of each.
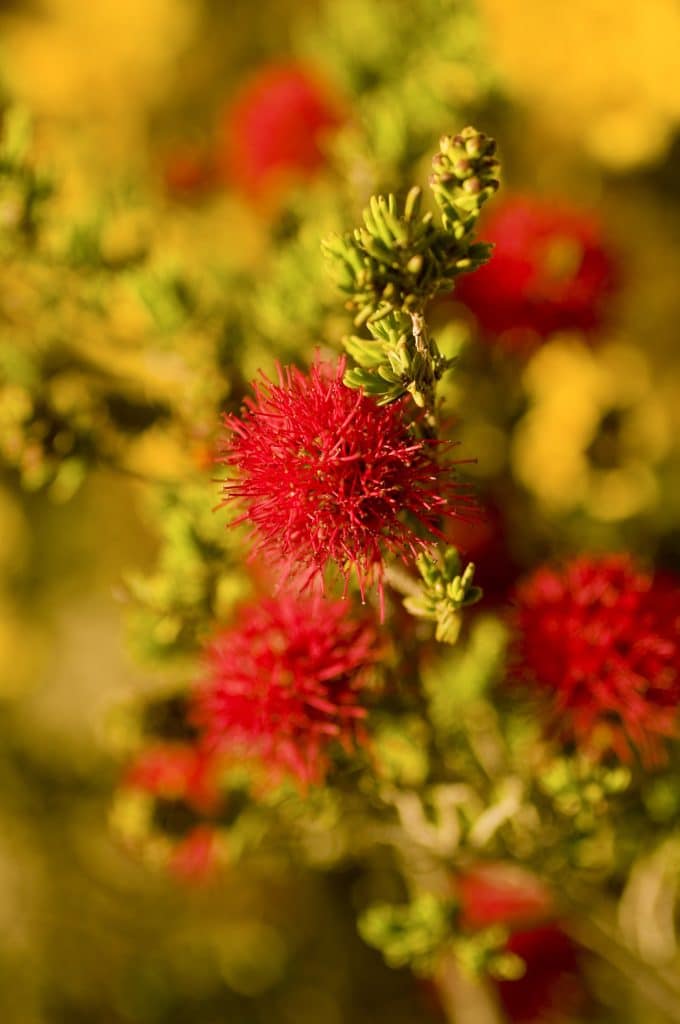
(275, 128)
(550, 270)
(328, 476)
(285, 682)
(601, 641)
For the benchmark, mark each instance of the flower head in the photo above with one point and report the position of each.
(175, 771)
(328, 476)
(550, 988)
(502, 893)
(167, 807)
(550, 270)
(194, 859)
(484, 541)
(601, 641)
(284, 682)
(275, 128)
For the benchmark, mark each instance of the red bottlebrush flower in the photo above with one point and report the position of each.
(601, 641)
(501, 893)
(188, 172)
(174, 771)
(328, 476)
(182, 784)
(484, 541)
(275, 128)
(194, 860)
(550, 270)
(285, 682)
(550, 990)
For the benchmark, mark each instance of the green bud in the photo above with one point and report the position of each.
(445, 590)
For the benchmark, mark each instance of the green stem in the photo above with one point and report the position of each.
(426, 384)
(659, 986)
(466, 999)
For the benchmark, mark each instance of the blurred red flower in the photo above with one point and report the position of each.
(188, 172)
(183, 782)
(193, 859)
(500, 893)
(275, 129)
(328, 476)
(550, 270)
(601, 642)
(551, 990)
(284, 682)
(484, 540)
(175, 771)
